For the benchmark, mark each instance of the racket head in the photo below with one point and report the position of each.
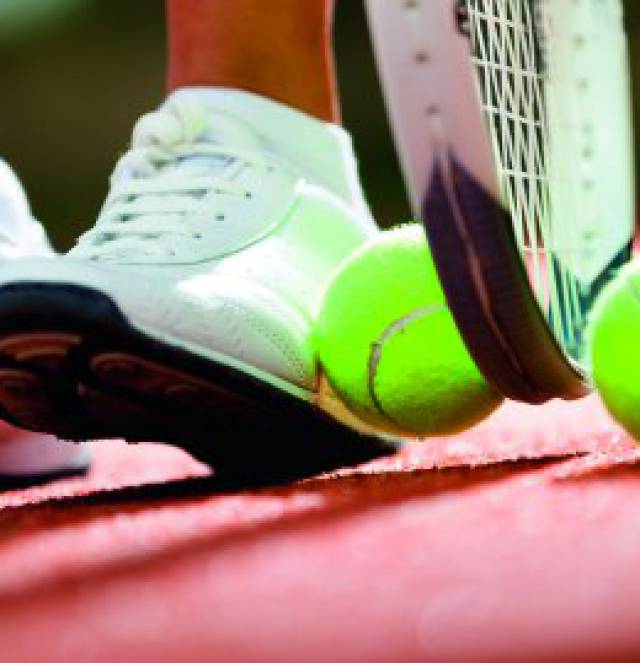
(514, 137)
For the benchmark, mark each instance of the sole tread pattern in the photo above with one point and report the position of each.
(72, 365)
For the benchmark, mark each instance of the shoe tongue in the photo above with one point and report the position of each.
(321, 151)
(231, 132)
(198, 125)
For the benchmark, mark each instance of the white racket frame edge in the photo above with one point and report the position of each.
(431, 96)
(432, 101)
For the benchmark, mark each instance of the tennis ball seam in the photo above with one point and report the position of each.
(375, 356)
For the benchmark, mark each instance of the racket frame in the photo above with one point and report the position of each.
(424, 62)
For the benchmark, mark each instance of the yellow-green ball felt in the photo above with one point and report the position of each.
(613, 339)
(389, 346)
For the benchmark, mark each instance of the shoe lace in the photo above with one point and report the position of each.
(166, 185)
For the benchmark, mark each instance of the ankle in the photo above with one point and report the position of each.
(283, 53)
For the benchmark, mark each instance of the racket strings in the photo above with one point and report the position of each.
(511, 60)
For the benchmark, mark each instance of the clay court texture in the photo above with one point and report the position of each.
(519, 540)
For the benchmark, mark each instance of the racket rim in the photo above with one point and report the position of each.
(556, 373)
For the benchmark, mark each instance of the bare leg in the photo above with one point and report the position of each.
(281, 50)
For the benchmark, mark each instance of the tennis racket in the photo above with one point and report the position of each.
(512, 122)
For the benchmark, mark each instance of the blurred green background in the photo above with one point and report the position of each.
(77, 73)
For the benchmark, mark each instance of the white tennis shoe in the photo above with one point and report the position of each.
(27, 456)
(185, 314)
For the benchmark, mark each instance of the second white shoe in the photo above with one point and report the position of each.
(185, 314)
(28, 457)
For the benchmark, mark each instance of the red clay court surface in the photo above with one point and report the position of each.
(517, 541)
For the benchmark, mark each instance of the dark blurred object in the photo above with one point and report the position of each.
(70, 98)
(364, 115)
(29, 19)
(76, 82)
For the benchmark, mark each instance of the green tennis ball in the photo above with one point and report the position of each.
(613, 340)
(389, 346)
